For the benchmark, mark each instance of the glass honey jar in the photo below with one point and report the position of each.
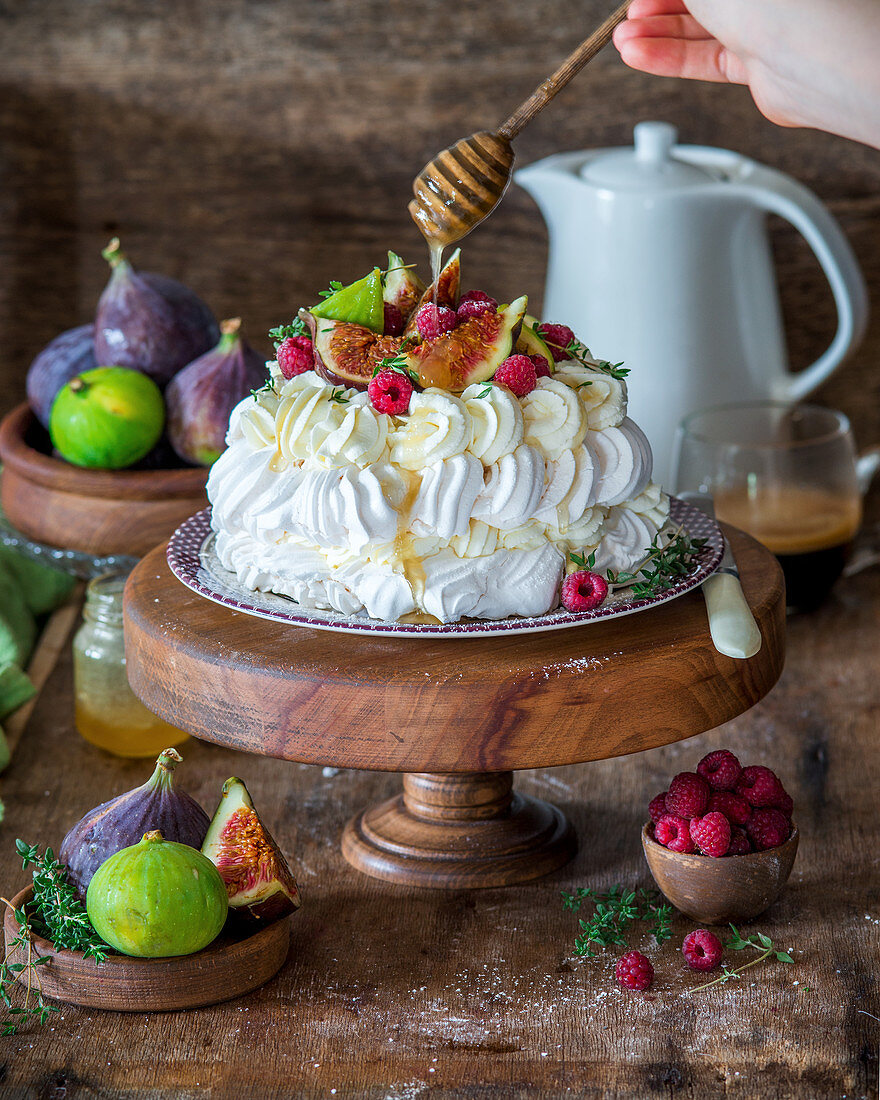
(107, 713)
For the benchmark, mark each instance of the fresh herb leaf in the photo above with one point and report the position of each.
(297, 327)
(663, 566)
(56, 914)
(334, 286)
(338, 395)
(613, 913)
(584, 562)
(576, 350)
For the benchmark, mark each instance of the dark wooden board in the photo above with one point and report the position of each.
(385, 984)
(447, 705)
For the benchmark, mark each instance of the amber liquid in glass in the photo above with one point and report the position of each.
(810, 530)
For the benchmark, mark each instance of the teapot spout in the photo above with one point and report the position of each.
(555, 186)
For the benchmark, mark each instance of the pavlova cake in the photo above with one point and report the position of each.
(421, 454)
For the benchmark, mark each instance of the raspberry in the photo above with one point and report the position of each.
(434, 321)
(672, 832)
(711, 833)
(473, 304)
(688, 795)
(542, 367)
(634, 971)
(295, 355)
(759, 786)
(785, 804)
(702, 950)
(733, 806)
(584, 590)
(720, 769)
(740, 845)
(390, 391)
(518, 373)
(768, 828)
(557, 338)
(657, 806)
(393, 325)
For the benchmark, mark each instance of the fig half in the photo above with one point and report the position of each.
(445, 292)
(347, 354)
(259, 884)
(472, 352)
(530, 343)
(402, 289)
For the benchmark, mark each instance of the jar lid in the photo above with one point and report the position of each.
(648, 166)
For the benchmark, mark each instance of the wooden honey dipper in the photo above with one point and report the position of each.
(462, 185)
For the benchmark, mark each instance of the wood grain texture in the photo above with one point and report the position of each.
(477, 704)
(239, 961)
(385, 984)
(94, 511)
(718, 891)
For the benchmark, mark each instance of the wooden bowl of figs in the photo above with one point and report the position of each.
(718, 891)
(99, 512)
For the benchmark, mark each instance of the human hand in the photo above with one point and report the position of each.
(806, 63)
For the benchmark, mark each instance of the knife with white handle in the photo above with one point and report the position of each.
(731, 622)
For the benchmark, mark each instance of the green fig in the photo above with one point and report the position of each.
(360, 303)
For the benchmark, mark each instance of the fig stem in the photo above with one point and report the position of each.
(167, 760)
(229, 334)
(153, 837)
(113, 253)
(78, 385)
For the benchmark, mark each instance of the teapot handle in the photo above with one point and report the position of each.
(780, 194)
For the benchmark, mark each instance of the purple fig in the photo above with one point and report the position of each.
(201, 397)
(68, 355)
(149, 322)
(123, 820)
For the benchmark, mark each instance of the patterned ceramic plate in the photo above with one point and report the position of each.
(193, 561)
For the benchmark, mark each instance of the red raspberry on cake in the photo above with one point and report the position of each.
(518, 373)
(702, 949)
(473, 304)
(557, 338)
(434, 321)
(295, 355)
(740, 845)
(759, 786)
(711, 833)
(634, 971)
(688, 795)
(542, 367)
(733, 806)
(720, 769)
(582, 591)
(389, 392)
(768, 828)
(673, 833)
(657, 806)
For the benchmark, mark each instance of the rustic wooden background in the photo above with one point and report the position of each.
(257, 149)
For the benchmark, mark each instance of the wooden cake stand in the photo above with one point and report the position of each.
(457, 716)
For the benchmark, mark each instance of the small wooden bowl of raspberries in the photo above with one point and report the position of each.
(721, 843)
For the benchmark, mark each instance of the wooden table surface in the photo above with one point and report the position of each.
(398, 993)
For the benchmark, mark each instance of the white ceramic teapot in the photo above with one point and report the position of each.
(659, 256)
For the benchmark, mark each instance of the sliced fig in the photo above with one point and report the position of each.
(346, 354)
(258, 881)
(70, 354)
(444, 292)
(472, 352)
(530, 343)
(359, 303)
(403, 288)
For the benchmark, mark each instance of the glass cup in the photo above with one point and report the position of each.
(789, 476)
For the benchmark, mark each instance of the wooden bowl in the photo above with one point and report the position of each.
(97, 512)
(237, 962)
(718, 891)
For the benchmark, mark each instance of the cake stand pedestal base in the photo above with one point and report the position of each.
(459, 831)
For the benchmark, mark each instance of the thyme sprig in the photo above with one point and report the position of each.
(297, 327)
(56, 914)
(339, 395)
(398, 361)
(613, 913)
(334, 286)
(662, 567)
(760, 943)
(574, 349)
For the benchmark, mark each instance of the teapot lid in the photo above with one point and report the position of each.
(648, 166)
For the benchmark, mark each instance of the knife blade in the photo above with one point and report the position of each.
(731, 622)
